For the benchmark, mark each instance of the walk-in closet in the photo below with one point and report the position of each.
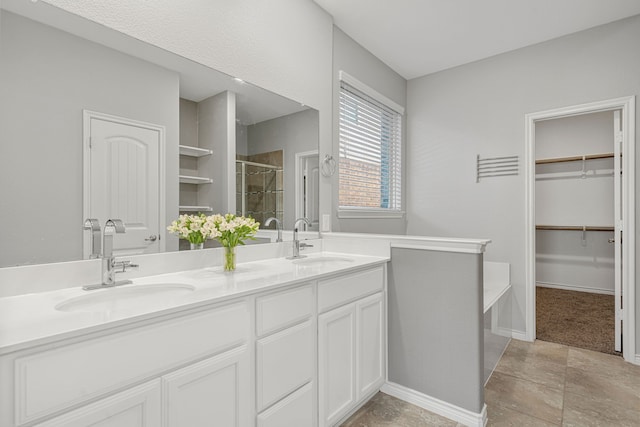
(575, 208)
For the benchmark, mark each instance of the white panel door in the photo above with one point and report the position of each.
(617, 235)
(124, 180)
(337, 359)
(137, 407)
(370, 348)
(214, 392)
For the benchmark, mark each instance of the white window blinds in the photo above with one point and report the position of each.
(370, 167)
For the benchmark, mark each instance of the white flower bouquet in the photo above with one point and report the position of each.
(194, 228)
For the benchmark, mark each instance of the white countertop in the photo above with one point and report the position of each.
(32, 319)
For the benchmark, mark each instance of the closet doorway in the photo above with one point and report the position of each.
(580, 203)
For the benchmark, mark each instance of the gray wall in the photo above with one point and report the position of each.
(293, 134)
(217, 132)
(435, 325)
(356, 61)
(48, 78)
(479, 108)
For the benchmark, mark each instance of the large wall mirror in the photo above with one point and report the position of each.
(183, 138)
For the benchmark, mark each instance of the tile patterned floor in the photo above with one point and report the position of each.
(535, 384)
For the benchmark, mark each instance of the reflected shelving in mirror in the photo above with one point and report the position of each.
(195, 208)
(187, 179)
(186, 150)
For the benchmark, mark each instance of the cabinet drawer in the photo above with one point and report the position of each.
(343, 289)
(56, 379)
(284, 308)
(294, 411)
(285, 361)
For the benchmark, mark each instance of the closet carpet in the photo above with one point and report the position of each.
(578, 319)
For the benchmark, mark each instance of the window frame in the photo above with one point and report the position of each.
(367, 212)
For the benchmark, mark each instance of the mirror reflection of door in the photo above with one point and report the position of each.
(122, 179)
(308, 187)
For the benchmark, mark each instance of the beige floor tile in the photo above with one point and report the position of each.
(503, 417)
(605, 364)
(620, 389)
(537, 350)
(587, 411)
(524, 396)
(386, 411)
(540, 370)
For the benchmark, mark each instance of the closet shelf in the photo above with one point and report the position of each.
(575, 227)
(187, 150)
(575, 158)
(186, 179)
(195, 208)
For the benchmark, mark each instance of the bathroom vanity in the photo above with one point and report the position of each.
(277, 343)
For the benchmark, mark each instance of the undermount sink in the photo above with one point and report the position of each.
(322, 260)
(126, 297)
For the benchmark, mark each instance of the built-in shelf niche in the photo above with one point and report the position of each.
(187, 179)
(187, 150)
(195, 208)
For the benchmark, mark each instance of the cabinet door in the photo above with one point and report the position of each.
(370, 350)
(136, 407)
(212, 392)
(296, 410)
(336, 358)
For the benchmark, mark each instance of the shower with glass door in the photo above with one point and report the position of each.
(259, 190)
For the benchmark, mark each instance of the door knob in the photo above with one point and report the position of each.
(612, 240)
(151, 238)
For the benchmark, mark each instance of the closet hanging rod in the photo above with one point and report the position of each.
(574, 227)
(574, 158)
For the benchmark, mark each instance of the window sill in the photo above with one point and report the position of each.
(369, 213)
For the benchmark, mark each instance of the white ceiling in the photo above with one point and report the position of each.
(419, 37)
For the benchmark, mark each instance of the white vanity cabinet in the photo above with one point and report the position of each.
(285, 358)
(203, 353)
(305, 354)
(351, 342)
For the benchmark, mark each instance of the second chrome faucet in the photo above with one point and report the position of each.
(296, 243)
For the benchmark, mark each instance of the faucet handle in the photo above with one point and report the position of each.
(125, 265)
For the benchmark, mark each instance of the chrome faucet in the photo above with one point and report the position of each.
(296, 242)
(278, 227)
(93, 225)
(109, 265)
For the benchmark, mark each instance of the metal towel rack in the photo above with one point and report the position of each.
(496, 166)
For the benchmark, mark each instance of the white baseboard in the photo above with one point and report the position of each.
(437, 406)
(519, 335)
(637, 361)
(575, 288)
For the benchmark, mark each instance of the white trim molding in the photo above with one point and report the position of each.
(627, 106)
(352, 81)
(437, 406)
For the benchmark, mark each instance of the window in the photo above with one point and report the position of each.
(370, 167)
